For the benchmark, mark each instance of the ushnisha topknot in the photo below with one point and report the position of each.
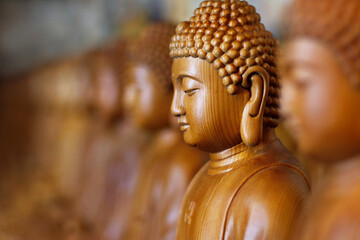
(333, 22)
(228, 34)
(151, 49)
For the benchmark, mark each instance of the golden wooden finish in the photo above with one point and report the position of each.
(122, 177)
(167, 165)
(110, 164)
(102, 139)
(222, 200)
(107, 83)
(320, 102)
(226, 101)
(150, 101)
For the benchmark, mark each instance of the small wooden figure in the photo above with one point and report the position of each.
(102, 139)
(321, 102)
(110, 166)
(167, 165)
(226, 100)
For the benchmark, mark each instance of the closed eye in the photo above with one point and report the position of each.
(190, 86)
(191, 92)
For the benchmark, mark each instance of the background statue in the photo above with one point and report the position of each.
(321, 102)
(104, 137)
(166, 165)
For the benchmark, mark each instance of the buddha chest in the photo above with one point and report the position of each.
(211, 208)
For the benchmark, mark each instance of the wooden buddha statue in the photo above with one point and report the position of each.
(111, 163)
(226, 100)
(167, 165)
(321, 102)
(102, 138)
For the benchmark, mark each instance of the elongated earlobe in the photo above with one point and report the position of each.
(256, 79)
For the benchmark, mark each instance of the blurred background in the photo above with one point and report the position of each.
(33, 32)
(48, 49)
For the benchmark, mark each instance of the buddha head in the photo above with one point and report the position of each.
(106, 81)
(321, 77)
(148, 74)
(225, 76)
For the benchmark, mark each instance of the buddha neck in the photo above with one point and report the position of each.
(227, 160)
(228, 153)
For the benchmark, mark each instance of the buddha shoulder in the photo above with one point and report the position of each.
(267, 204)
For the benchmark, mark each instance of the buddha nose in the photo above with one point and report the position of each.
(177, 108)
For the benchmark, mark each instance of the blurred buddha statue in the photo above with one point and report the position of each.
(167, 164)
(102, 137)
(109, 165)
(67, 87)
(112, 184)
(226, 100)
(321, 102)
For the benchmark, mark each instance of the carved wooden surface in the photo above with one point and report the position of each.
(226, 100)
(167, 165)
(242, 191)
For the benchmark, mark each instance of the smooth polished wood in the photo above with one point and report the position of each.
(102, 136)
(320, 102)
(226, 100)
(110, 164)
(244, 191)
(122, 178)
(166, 165)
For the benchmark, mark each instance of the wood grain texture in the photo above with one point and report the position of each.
(226, 101)
(167, 165)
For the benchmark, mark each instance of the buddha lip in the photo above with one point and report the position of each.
(183, 126)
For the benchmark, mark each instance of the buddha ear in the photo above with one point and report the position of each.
(256, 79)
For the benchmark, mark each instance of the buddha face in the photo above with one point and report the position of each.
(320, 105)
(150, 102)
(208, 116)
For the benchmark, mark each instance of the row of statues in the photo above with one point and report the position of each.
(226, 98)
(181, 142)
